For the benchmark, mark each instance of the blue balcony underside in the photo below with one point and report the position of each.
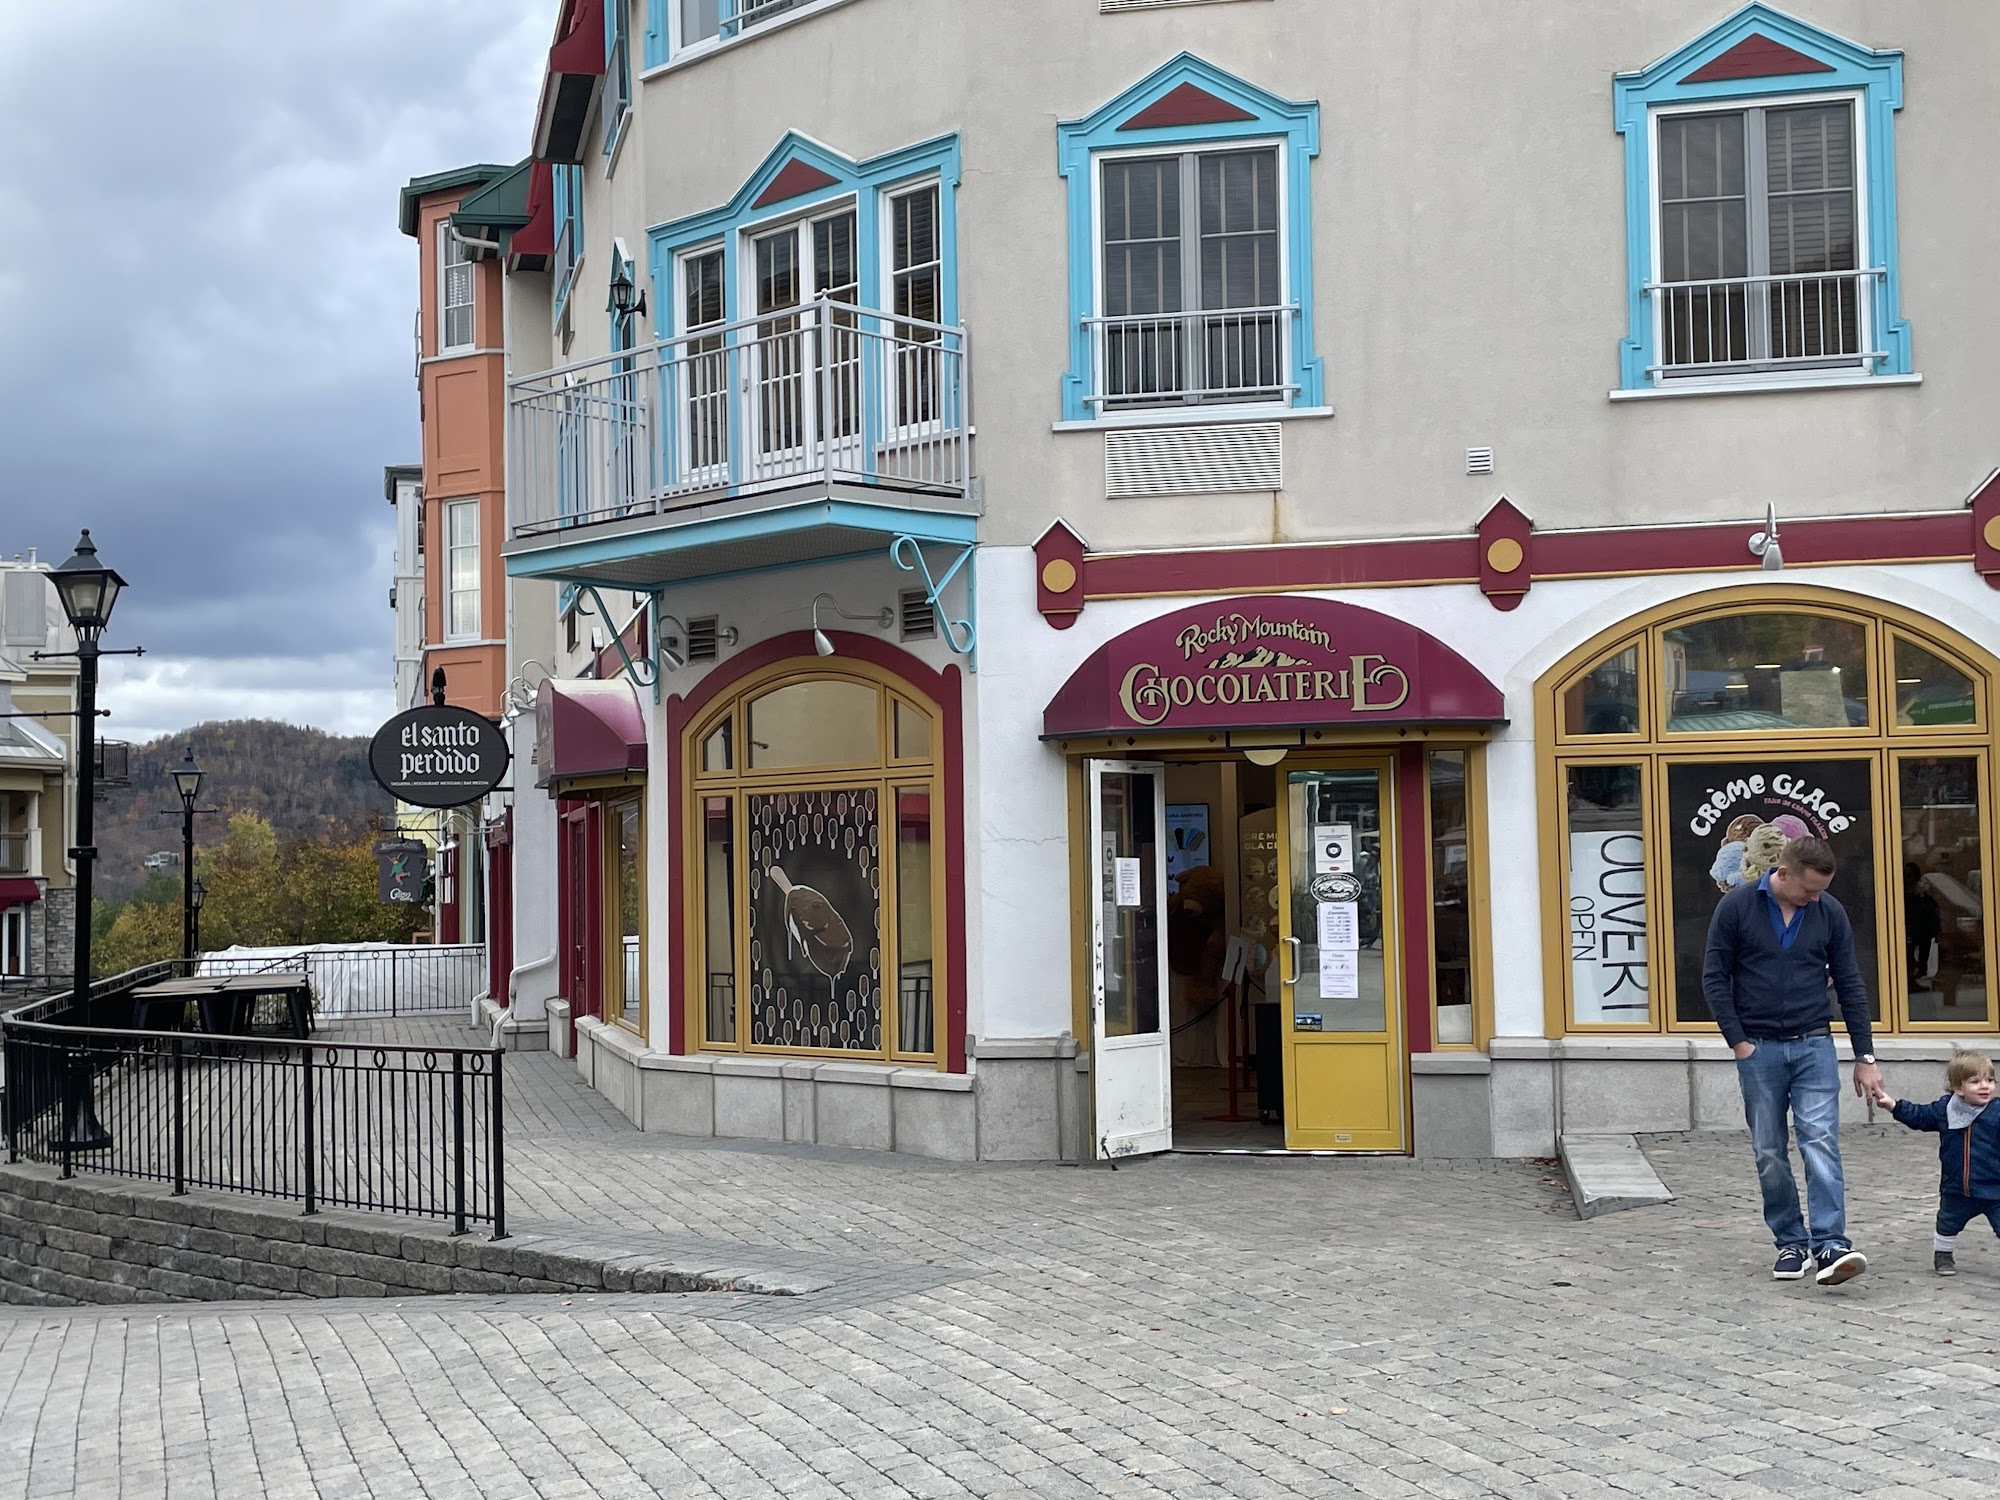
(743, 535)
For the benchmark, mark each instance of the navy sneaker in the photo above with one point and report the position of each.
(1791, 1264)
(1838, 1263)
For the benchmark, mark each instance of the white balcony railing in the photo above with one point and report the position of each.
(1746, 324)
(824, 393)
(1191, 358)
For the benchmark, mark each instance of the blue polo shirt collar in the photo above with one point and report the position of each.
(1786, 932)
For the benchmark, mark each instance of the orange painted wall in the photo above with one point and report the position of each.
(464, 406)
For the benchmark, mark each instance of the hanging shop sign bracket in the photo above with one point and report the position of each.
(643, 669)
(960, 634)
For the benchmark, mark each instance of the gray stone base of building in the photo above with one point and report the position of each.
(1023, 1099)
(510, 1031)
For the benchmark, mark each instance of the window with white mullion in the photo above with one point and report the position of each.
(462, 569)
(456, 292)
(1759, 245)
(916, 290)
(1172, 283)
(706, 437)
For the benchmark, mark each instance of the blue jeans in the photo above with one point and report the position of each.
(1801, 1080)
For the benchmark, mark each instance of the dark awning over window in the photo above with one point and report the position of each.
(576, 63)
(1275, 661)
(586, 728)
(16, 891)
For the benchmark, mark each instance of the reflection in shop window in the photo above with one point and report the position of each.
(1748, 672)
(1944, 888)
(629, 906)
(1930, 691)
(820, 722)
(1451, 898)
(1608, 939)
(716, 751)
(719, 917)
(913, 733)
(914, 1020)
(1606, 700)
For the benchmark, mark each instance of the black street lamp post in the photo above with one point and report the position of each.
(195, 898)
(87, 590)
(187, 781)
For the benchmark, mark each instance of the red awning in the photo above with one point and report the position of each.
(585, 728)
(538, 235)
(1276, 661)
(576, 63)
(19, 891)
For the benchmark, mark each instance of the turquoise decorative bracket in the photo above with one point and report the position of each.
(907, 553)
(645, 670)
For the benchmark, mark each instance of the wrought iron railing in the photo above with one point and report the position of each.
(1191, 358)
(1746, 324)
(824, 392)
(414, 1130)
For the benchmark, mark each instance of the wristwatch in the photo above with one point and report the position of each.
(1867, 1057)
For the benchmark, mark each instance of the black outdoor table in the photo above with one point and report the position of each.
(226, 1004)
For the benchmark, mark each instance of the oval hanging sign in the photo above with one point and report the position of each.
(439, 756)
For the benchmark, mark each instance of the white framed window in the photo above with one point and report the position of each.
(617, 71)
(14, 941)
(699, 21)
(915, 270)
(1192, 305)
(457, 289)
(1760, 239)
(461, 523)
(704, 411)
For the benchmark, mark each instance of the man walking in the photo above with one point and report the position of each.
(1771, 948)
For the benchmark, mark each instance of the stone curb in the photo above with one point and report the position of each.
(110, 1240)
(1609, 1173)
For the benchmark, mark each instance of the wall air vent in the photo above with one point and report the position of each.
(701, 639)
(919, 619)
(1209, 460)
(1479, 460)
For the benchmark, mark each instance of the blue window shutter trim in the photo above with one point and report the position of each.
(867, 182)
(654, 46)
(1077, 141)
(1876, 75)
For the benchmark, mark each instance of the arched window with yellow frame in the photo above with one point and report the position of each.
(814, 897)
(1681, 748)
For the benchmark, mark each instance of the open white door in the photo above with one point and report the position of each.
(1131, 1062)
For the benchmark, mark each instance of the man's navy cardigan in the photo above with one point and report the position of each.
(1757, 987)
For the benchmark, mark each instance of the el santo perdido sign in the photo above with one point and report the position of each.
(438, 756)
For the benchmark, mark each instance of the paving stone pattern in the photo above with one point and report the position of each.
(1222, 1329)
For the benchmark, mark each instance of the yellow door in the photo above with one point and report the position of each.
(1341, 1009)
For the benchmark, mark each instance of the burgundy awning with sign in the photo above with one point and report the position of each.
(587, 728)
(1275, 661)
(15, 891)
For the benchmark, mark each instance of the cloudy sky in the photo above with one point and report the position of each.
(207, 310)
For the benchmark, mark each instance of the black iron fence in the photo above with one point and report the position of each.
(376, 981)
(407, 1129)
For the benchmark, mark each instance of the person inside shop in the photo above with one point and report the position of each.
(1968, 1130)
(1772, 947)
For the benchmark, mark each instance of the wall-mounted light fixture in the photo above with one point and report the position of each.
(628, 298)
(883, 619)
(1764, 543)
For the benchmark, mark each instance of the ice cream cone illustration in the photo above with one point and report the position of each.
(815, 927)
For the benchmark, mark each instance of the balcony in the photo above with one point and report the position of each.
(16, 854)
(806, 433)
(1751, 325)
(1226, 355)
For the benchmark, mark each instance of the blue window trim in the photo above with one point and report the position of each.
(867, 182)
(1876, 76)
(617, 70)
(1296, 124)
(566, 187)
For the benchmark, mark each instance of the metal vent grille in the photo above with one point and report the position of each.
(1479, 460)
(1193, 460)
(919, 619)
(701, 641)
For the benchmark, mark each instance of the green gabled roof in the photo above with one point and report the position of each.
(500, 205)
(440, 182)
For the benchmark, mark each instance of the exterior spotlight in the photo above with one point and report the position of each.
(1764, 543)
(883, 619)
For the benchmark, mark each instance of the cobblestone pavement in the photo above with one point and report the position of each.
(1191, 1327)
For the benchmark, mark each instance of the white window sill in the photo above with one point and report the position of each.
(615, 147)
(1757, 387)
(1193, 416)
(466, 351)
(701, 51)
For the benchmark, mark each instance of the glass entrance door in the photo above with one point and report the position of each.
(1340, 1013)
(1130, 1060)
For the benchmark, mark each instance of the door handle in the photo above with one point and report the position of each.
(1292, 944)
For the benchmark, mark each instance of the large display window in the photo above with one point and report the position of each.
(1681, 750)
(813, 891)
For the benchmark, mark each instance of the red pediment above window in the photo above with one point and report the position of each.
(1756, 56)
(794, 178)
(1187, 104)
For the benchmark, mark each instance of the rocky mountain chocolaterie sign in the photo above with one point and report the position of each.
(1277, 661)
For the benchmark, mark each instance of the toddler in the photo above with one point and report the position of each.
(1969, 1149)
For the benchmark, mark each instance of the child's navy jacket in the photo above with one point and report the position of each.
(1969, 1154)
